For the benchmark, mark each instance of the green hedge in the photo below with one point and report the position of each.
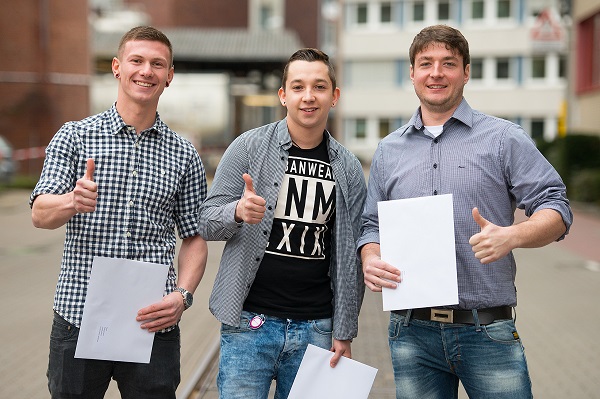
(576, 157)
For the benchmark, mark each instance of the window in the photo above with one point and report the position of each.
(384, 127)
(562, 67)
(361, 14)
(360, 128)
(444, 10)
(476, 68)
(538, 67)
(502, 68)
(418, 11)
(477, 9)
(537, 129)
(386, 13)
(266, 16)
(588, 54)
(504, 9)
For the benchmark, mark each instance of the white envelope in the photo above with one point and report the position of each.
(118, 288)
(316, 379)
(417, 236)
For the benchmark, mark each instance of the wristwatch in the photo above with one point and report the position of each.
(188, 298)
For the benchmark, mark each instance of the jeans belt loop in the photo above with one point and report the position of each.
(476, 320)
(407, 317)
(442, 315)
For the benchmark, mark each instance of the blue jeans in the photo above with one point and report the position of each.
(429, 358)
(71, 378)
(251, 358)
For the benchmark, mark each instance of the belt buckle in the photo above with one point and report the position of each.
(442, 315)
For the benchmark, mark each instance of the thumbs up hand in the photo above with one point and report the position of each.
(86, 190)
(492, 242)
(251, 207)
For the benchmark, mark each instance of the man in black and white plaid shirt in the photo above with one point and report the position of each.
(122, 181)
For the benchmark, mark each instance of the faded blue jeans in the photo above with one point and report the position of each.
(429, 358)
(88, 379)
(251, 358)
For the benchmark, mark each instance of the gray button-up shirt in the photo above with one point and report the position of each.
(263, 153)
(484, 162)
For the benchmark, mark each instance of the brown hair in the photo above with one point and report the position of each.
(450, 37)
(310, 55)
(146, 33)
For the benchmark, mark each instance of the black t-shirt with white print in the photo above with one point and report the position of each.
(293, 278)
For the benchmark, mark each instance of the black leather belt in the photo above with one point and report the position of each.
(485, 316)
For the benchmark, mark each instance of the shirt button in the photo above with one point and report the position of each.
(435, 166)
(270, 208)
(436, 141)
(264, 232)
(128, 234)
(134, 173)
(276, 184)
(257, 259)
(434, 192)
(130, 203)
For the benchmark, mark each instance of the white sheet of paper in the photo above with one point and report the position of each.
(118, 288)
(417, 236)
(317, 380)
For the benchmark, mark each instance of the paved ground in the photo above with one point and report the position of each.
(558, 315)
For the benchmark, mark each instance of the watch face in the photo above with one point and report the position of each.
(189, 299)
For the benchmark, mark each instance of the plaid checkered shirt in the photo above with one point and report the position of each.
(148, 184)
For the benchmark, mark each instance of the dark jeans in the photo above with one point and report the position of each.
(85, 378)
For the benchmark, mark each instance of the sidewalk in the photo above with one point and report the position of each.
(558, 316)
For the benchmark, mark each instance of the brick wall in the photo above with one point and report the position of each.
(44, 76)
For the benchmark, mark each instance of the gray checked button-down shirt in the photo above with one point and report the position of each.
(263, 153)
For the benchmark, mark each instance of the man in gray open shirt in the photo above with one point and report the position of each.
(287, 198)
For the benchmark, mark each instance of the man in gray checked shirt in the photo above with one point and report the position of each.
(287, 198)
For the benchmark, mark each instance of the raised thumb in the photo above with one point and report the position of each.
(249, 183)
(480, 220)
(89, 170)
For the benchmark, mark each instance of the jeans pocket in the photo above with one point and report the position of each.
(62, 330)
(503, 331)
(323, 326)
(172, 335)
(244, 325)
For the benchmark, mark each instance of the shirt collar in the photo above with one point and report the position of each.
(285, 140)
(117, 124)
(463, 113)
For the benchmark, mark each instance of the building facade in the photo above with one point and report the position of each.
(583, 109)
(44, 76)
(518, 63)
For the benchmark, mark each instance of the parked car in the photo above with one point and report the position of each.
(7, 165)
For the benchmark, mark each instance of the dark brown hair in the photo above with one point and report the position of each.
(310, 55)
(450, 37)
